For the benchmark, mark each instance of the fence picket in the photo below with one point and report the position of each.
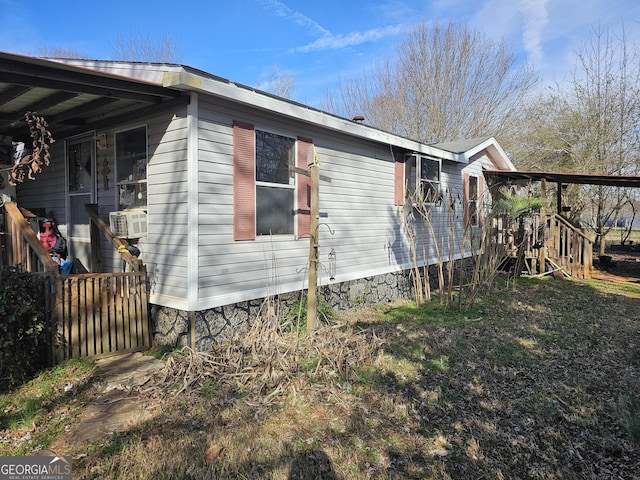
(90, 317)
(98, 314)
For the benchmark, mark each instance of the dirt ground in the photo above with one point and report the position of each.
(118, 407)
(623, 266)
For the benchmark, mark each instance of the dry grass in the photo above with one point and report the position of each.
(542, 382)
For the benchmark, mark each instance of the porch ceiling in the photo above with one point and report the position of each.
(72, 99)
(565, 178)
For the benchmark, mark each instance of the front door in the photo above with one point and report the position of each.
(80, 191)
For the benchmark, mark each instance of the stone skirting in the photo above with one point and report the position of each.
(174, 327)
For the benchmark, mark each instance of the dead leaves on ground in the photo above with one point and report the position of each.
(267, 364)
(534, 387)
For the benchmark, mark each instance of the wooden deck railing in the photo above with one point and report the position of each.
(554, 238)
(569, 247)
(22, 245)
(100, 226)
(91, 314)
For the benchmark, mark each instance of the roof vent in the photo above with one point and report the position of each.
(358, 118)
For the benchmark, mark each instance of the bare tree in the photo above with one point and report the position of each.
(280, 83)
(59, 52)
(444, 83)
(590, 125)
(143, 48)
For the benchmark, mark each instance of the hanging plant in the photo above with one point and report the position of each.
(31, 164)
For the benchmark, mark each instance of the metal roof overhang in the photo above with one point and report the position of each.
(71, 99)
(564, 178)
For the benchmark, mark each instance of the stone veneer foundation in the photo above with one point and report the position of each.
(206, 328)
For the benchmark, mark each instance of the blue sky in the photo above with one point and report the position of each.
(315, 42)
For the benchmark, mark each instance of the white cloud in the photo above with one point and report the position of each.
(497, 19)
(570, 23)
(282, 10)
(330, 41)
(535, 18)
(524, 25)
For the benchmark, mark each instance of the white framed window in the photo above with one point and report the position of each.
(424, 174)
(131, 168)
(275, 183)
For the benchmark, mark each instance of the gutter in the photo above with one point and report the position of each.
(184, 80)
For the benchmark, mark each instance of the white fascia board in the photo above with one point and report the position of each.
(495, 153)
(184, 80)
(139, 71)
(500, 158)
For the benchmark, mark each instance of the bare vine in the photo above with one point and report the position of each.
(31, 164)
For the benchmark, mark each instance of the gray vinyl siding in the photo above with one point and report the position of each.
(164, 250)
(369, 236)
(48, 190)
(230, 271)
(437, 236)
(369, 232)
(358, 204)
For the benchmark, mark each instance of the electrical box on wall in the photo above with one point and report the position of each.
(128, 223)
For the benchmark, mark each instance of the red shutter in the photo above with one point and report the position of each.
(465, 196)
(480, 195)
(244, 193)
(303, 185)
(398, 180)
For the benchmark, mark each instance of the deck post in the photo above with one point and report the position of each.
(312, 302)
(94, 235)
(559, 199)
(543, 225)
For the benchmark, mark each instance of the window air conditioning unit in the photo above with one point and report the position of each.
(128, 223)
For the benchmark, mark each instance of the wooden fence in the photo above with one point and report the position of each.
(100, 314)
(94, 314)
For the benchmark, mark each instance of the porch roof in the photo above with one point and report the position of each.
(72, 99)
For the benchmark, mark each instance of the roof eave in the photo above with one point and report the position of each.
(188, 81)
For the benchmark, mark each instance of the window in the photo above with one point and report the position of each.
(265, 188)
(473, 208)
(79, 161)
(429, 177)
(275, 183)
(473, 200)
(131, 168)
(423, 173)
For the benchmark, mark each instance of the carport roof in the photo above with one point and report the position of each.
(566, 178)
